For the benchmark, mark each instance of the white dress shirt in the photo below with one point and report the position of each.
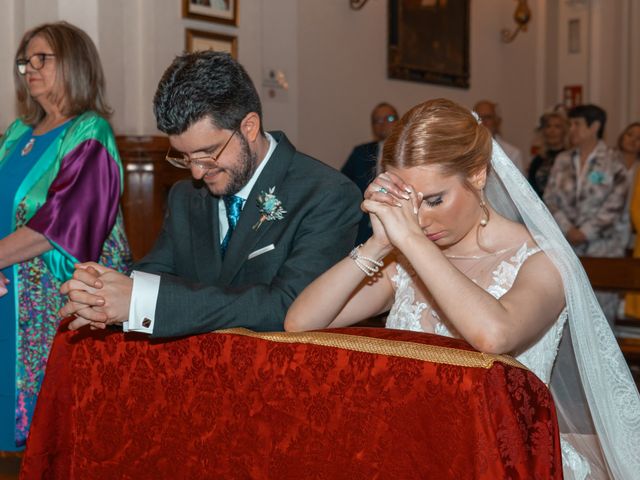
(146, 286)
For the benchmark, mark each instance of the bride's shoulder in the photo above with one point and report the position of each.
(513, 234)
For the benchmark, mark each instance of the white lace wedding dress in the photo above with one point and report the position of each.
(414, 309)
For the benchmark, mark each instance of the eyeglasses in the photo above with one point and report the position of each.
(385, 119)
(205, 162)
(36, 61)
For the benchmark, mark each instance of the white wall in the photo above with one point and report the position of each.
(343, 73)
(335, 61)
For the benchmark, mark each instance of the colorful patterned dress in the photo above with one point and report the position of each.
(66, 185)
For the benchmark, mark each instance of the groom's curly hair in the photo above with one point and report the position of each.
(204, 84)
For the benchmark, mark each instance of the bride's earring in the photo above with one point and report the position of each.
(485, 210)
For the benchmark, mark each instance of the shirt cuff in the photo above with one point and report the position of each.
(144, 297)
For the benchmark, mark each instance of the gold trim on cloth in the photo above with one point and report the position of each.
(414, 351)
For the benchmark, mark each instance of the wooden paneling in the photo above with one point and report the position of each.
(147, 180)
(621, 275)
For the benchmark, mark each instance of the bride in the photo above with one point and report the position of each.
(463, 247)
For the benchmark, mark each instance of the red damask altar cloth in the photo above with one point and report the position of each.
(356, 403)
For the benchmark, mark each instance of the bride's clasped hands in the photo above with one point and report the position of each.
(393, 206)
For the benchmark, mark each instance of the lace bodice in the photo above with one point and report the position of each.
(414, 308)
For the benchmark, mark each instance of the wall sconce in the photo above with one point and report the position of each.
(357, 4)
(522, 16)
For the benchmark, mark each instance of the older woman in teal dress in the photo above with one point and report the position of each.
(60, 186)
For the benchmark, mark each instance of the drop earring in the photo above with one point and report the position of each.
(485, 220)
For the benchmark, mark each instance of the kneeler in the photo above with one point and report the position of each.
(353, 403)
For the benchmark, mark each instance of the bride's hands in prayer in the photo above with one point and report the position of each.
(386, 191)
(393, 207)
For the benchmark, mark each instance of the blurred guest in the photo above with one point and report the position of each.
(587, 192)
(361, 164)
(60, 185)
(490, 117)
(629, 149)
(553, 126)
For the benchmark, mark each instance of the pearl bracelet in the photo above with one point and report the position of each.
(368, 265)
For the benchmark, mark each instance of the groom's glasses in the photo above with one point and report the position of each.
(206, 162)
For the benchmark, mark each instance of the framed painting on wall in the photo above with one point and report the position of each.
(221, 11)
(197, 40)
(429, 41)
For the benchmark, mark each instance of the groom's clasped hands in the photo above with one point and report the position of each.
(98, 296)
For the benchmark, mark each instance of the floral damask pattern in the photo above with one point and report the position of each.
(223, 405)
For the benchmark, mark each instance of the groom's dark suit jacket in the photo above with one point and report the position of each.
(201, 292)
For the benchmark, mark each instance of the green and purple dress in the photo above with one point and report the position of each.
(65, 184)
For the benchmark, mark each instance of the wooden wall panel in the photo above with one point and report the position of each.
(147, 180)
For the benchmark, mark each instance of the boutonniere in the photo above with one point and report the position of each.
(270, 207)
(596, 177)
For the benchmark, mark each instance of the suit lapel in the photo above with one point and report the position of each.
(205, 236)
(245, 237)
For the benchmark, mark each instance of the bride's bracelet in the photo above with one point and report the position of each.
(368, 265)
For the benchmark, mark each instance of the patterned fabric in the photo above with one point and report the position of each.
(407, 312)
(46, 203)
(225, 405)
(592, 200)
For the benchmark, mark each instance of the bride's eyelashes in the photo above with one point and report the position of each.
(433, 201)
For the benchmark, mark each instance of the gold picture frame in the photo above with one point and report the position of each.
(219, 11)
(198, 40)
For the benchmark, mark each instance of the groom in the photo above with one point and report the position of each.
(259, 222)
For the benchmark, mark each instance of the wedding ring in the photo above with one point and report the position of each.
(383, 190)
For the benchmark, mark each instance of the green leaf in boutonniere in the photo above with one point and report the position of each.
(270, 207)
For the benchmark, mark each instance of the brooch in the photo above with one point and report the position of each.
(596, 177)
(270, 207)
(27, 148)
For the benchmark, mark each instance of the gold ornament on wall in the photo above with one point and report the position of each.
(522, 17)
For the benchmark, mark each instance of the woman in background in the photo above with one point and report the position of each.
(60, 186)
(463, 247)
(554, 127)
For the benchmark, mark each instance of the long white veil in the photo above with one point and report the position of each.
(596, 398)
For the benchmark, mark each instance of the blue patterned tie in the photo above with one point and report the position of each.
(233, 204)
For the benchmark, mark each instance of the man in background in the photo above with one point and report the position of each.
(490, 117)
(361, 164)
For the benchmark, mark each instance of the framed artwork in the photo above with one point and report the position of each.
(429, 41)
(220, 11)
(197, 40)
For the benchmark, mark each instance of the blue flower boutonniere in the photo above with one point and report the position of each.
(270, 207)
(596, 177)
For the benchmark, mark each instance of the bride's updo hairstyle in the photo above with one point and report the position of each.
(439, 132)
